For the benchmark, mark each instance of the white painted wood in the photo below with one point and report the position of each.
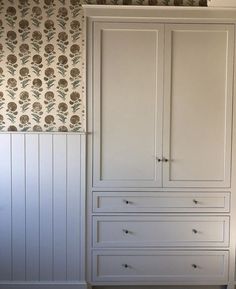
(212, 56)
(43, 285)
(18, 208)
(220, 3)
(41, 210)
(198, 105)
(5, 208)
(59, 207)
(74, 172)
(120, 159)
(232, 272)
(46, 207)
(163, 14)
(161, 266)
(32, 206)
(157, 287)
(83, 209)
(164, 231)
(154, 202)
(122, 94)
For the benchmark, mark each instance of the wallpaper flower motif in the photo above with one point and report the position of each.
(42, 62)
(38, 69)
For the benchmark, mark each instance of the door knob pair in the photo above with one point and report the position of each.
(162, 160)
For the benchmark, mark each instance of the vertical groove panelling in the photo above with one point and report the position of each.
(18, 207)
(32, 207)
(82, 222)
(73, 206)
(46, 206)
(40, 208)
(5, 207)
(60, 204)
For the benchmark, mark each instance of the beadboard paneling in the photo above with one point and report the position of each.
(32, 190)
(41, 194)
(46, 201)
(5, 208)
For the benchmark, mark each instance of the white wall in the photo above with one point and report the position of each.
(41, 208)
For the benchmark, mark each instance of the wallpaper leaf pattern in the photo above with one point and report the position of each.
(42, 62)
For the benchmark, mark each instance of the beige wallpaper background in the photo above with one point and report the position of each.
(42, 65)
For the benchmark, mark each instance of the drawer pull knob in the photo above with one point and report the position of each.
(194, 266)
(165, 160)
(195, 202)
(126, 231)
(195, 231)
(125, 265)
(127, 202)
(159, 160)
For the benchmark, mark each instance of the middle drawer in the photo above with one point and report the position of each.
(163, 231)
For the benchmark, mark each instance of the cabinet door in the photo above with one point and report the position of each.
(127, 104)
(198, 105)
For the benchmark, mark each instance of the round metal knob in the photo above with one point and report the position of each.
(159, 160)
(165, 160)
(194, 266)
(195, 202)
(127, 202)
(125, 265)
(126, 231)
(195, 231)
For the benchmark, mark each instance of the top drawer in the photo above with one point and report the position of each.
(107, 202)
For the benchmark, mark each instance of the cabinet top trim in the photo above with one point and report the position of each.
(160, 12)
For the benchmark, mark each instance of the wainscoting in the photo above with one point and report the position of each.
(42, 203)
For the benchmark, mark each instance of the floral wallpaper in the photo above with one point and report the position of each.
(42, 62)
(41, 65)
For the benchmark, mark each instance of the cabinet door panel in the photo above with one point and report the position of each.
(198, 105)
(128, 86)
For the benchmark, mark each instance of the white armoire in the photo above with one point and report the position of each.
(161, 167)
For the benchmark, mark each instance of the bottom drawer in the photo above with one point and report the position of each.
(192, 267)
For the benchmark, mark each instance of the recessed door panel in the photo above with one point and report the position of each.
(127, 95)
(198, 105)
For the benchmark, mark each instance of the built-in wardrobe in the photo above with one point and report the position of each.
(161, 163)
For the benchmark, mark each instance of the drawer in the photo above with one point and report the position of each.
(107, 202)
(164, 231)
(199, 267)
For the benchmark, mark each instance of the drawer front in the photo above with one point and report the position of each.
(161, 266)
(107, 202)
(164, 231)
